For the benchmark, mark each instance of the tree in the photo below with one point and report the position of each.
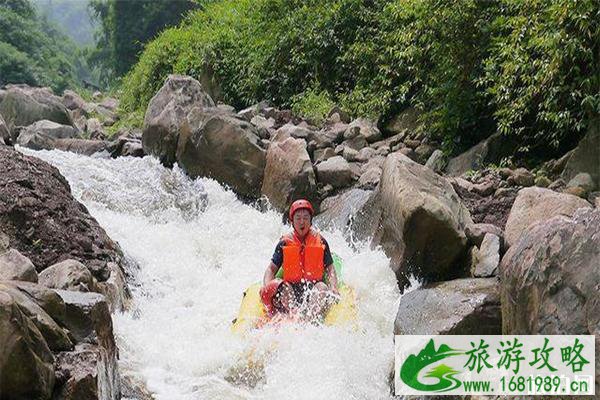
(127, 25)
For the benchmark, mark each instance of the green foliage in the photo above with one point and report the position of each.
(15, 66)
(126, 120)
(32, 50)
(127, 25)
(313, 104)
(543, 75)
(529, 69)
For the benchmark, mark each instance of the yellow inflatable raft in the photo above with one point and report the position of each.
(252, 311)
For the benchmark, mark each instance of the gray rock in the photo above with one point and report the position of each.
(261, 122)
(523, 177)
(23, 105)
(68, 275)
(366, 154)
(437, 161)
(24, 346)
(490, 150)
(321, 155)
(375, 162)
(224, 148)
(88, 318)
(534, 205)
(55, 336)
(583, 180)
(487, 257)
(336, 115)
(289, 174)
(342, 210)
(87, 372)
(72, 100)
(387, 143)
(356, 143)
(335, 171)
(458, 307)
(419, 210)
(476, 232)
(349, 153)
(370, 178)
(166, 115)
(115, 288)
(82, 146)
(550, 280)
(42, 135)
(365, 128)
(15, 266)
(423, 152)
(586, 156)
(94, 129)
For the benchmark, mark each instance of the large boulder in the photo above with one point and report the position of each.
(43, 135)
(43, 220)
(365, 128)
(166, 115)
(459, 307)
(87, 317)
(73, 101)
(486, 258)
(225, 148)
(535, 205)
(26, 363)
(551, 279)
(421, 221)
(15, 266)
(83, 375)
(22, 105)
(68, 275)
(46, 298)
(490, 150)
(342, 210)
(289, 174)
(586, 156)
(54, 335)
(335, 171)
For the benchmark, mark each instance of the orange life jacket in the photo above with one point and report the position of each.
(303, 260)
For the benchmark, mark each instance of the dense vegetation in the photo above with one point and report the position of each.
(32, 50)
(528, 69)
(127, 25)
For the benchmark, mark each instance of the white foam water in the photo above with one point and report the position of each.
(198, 247)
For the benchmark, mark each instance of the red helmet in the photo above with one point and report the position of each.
(299, 205)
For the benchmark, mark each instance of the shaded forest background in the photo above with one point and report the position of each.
(530, 70)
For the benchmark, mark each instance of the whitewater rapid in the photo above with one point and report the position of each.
(195, 259)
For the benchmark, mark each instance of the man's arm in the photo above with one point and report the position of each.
(331, 278)
(270, 273)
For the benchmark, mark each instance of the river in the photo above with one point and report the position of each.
(197, 247)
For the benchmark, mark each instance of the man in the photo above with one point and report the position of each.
(306, 261)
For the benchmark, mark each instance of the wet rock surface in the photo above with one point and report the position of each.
(43, 220)
(458, 307)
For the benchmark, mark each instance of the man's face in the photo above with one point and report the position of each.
(301, 221)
